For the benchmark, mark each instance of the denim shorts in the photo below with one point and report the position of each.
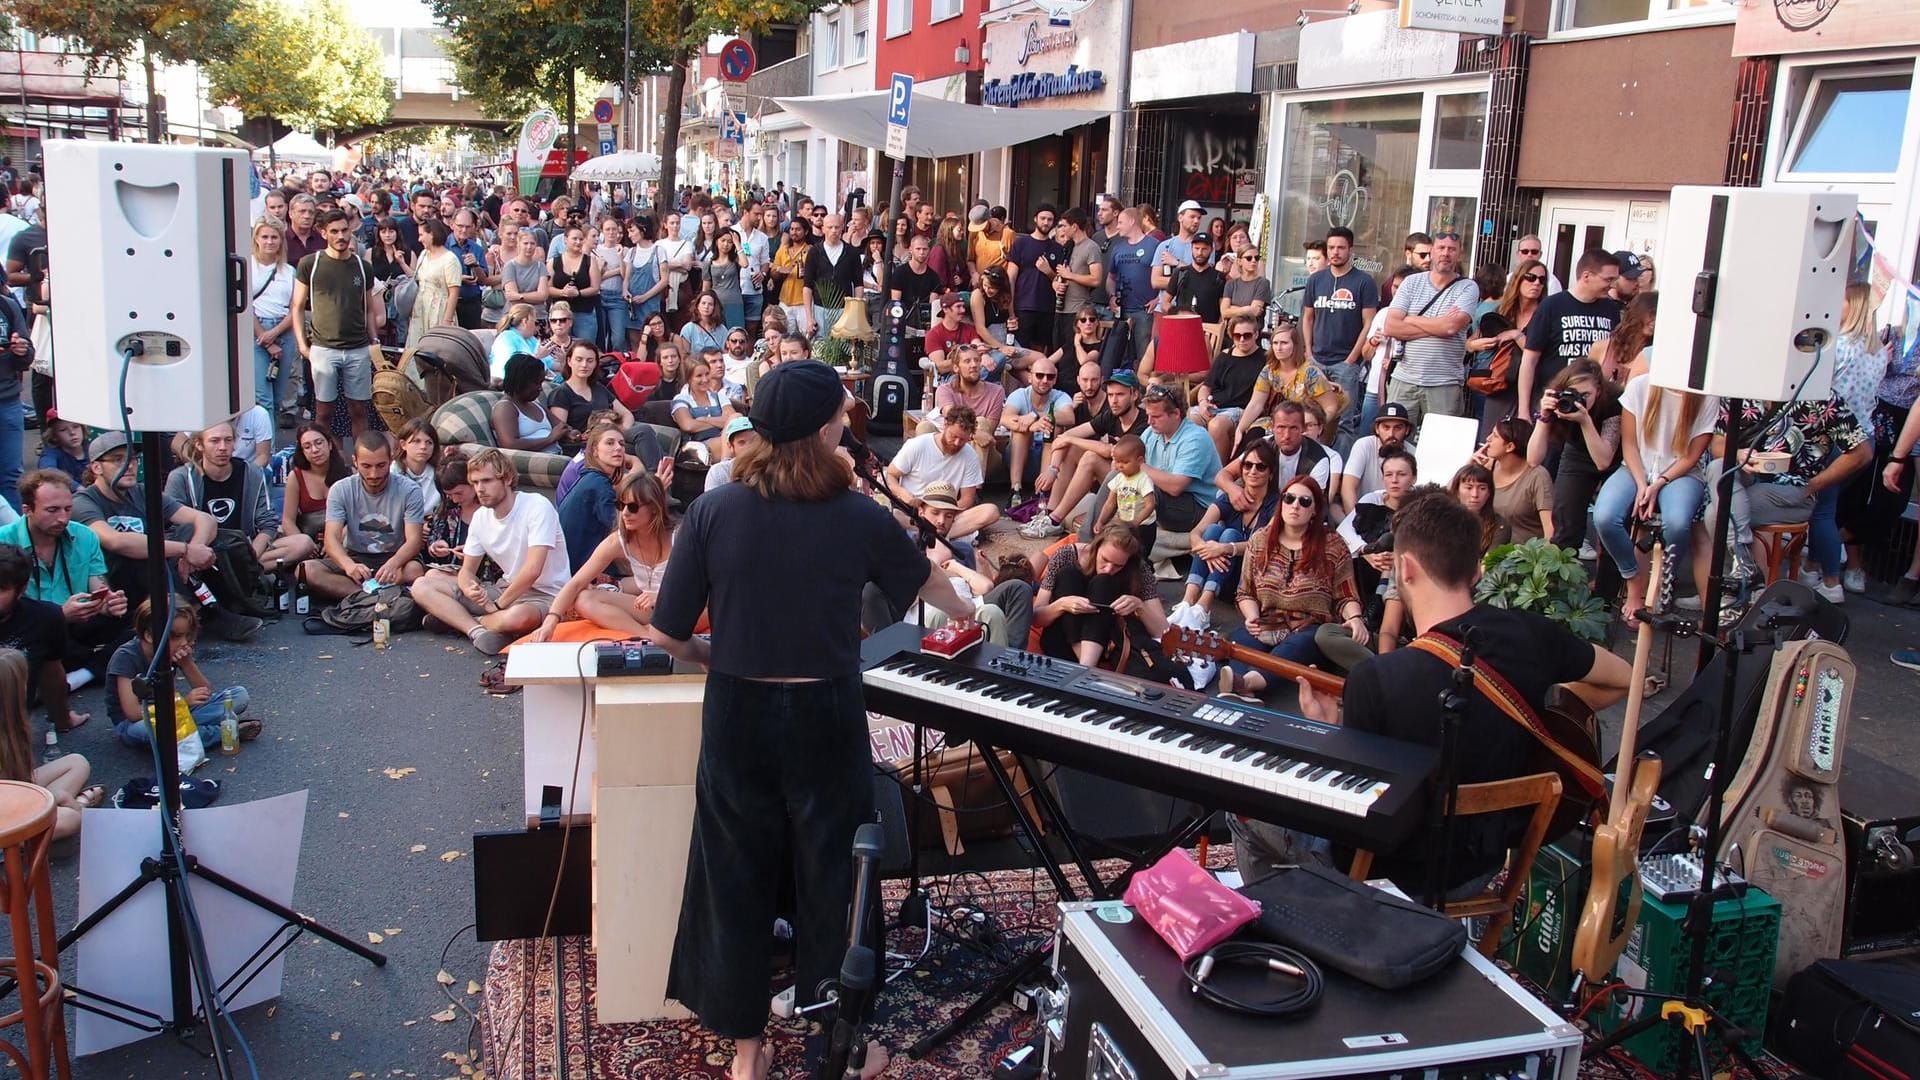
(341, 371)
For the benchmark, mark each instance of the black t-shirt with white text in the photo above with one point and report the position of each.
(1563, 329)
(1339, 304)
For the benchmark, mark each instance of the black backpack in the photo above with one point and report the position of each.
(357, 613)
(236, 577)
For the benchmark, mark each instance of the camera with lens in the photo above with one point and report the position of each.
(1567, 401)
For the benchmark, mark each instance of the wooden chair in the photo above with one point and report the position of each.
(1783, 547)
(26, 901)
(1541, 792)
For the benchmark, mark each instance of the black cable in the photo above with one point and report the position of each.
(1276, 958)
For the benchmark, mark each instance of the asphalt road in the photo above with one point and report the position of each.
(337, 716)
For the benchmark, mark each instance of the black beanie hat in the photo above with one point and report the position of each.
(795, 400)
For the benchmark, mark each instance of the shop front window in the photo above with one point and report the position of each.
(1456, 214)
(1352, 163)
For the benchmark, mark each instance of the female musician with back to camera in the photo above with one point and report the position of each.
(784, 760)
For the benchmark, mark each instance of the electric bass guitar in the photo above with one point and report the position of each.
(1613, 896)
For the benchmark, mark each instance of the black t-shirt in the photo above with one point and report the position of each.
(833, 280)
(1199, 291)
(1573, 453)
(222, 498)
(37, 629)
(915, 289)
(1562, 329)
(1338, 305)
(1232, 377)
(20, 249)
(577, 408)
(1398, 695)
(720, 564)
(1107, 426)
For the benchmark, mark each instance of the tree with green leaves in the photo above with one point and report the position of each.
(114, 31)
(315, 69)
(515, 55)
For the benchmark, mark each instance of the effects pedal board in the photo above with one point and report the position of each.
(1669, 878)
(631, 657)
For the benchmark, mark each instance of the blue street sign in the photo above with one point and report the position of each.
(606, 147)
(900, 99)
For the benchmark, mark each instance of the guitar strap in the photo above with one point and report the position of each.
(1495, 688)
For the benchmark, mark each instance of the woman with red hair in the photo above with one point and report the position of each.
(1298, 577)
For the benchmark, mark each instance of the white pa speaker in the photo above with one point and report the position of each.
(148, 251)
(1752, 286)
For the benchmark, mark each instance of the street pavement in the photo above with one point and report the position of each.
(338, 715)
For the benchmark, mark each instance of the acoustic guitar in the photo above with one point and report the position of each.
(1613, 897)
(1567, 720)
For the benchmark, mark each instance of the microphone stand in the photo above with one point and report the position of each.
(846, 1054)
(1446, 788)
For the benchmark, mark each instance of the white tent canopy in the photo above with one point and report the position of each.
(624, 166)
(938, 128)
(298, 146)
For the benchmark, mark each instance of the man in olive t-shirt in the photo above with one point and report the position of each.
(336, 285)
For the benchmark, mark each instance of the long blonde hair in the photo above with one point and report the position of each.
(1856, 319)
(16, 745)
(514, 314)
(1690, 405)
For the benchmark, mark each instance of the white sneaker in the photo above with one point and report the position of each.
(1854, 580)
(1178, 616)
(1688, 603)
(1832, 594)
(1202, 673)
(1810, 577)
(1042, 527)
(1199, 617)
(1587, 554)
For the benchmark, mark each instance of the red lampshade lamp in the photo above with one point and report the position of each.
(1182, 348)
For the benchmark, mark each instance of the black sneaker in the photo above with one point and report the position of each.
(228, 626)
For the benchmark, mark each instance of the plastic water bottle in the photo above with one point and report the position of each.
(229, 731)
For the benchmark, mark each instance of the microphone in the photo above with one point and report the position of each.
(846, 1049)
(868, 843)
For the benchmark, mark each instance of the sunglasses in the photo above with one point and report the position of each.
(630, 507)
(562, 319)
(1042, 375)
(1159, 393)
(1256, 463)
(1291, 499)
(1537, 279)
(1245, 337)
(1531, 253)
(1453, 236)
(1088, 319)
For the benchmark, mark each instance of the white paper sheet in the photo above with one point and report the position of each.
(1446, 443)
(256, 844)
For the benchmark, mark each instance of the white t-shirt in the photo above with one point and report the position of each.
(274, 283)
(922, 462)
(532, 523)
(1363, 462)
(1348, 527)
(1656, 444)
(1377, 369)
(250, 429)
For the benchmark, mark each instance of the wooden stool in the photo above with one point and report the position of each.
(26, 899)
(1783, 547)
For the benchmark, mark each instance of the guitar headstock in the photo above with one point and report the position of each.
(1184, 645)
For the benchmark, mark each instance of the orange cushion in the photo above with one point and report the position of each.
(574, 631)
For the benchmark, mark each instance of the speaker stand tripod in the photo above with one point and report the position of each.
(187, 964)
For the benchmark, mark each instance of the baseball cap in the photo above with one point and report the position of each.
(735, 426)
(106, 443)
(1124, 377)
(977, 215)
(1393, 410)
(1190, 205)
(1630, 266)
(941, 496)
(949, 299)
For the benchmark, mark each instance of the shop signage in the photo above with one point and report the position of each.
(1035, 42)
(1772, 27)
(1204, 67)
(1372, 48)
(1458, 16)
(1036, 85)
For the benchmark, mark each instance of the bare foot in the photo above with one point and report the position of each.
(877, 1061)
(75, 719)
(757, 1069)
(90, 797)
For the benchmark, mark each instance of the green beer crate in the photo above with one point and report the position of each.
(1745, 936)
(1540, 942)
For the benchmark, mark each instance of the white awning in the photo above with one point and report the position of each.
(938, 128)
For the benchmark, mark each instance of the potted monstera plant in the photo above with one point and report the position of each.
(1546, 579)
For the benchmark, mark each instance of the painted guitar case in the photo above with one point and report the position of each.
(1781, 826)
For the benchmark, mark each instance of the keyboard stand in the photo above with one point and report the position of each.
(1039, 955)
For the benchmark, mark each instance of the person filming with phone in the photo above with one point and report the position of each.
(1094, 596)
